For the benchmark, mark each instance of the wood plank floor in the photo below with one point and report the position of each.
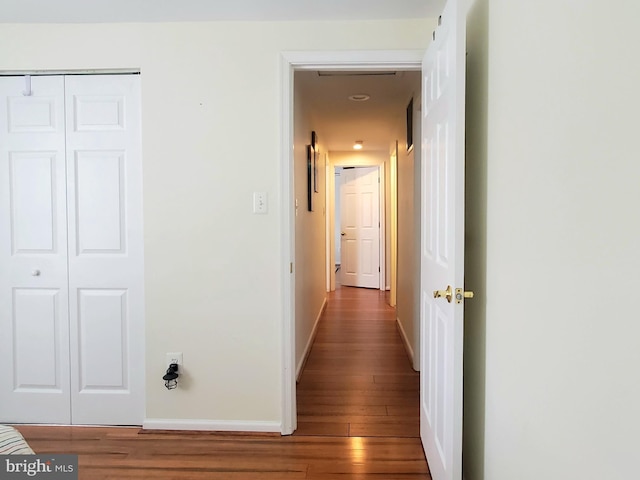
(358, 379)
(358, 418)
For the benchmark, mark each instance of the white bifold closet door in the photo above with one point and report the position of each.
(71, 259)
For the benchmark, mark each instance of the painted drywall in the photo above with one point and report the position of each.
(560, 333)
(364, 158)
(475, 242)
(408, 266)
(310, 228)
(393, 224)
(336, 214)
(389, 220)
(210, 137)
(405, 311)
(333, 224)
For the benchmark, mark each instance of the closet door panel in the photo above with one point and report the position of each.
(105, 249)
(103, 325)
(100, 202)
(32, 198)
(34, 305)
(35, 324)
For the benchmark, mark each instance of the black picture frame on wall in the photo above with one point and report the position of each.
(310, 155)
(316, 160)
(410, 126)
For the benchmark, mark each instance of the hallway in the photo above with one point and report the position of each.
(358, 380)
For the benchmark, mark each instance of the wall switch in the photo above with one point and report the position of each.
(260, 202)
(175, 357)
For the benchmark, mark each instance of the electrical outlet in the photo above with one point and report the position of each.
(175, 357)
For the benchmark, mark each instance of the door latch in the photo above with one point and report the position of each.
(461, 295)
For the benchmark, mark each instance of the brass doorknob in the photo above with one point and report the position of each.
(448, 293)
(343, 234)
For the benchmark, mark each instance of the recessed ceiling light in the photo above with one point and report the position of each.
(357, 145)
(359, 97)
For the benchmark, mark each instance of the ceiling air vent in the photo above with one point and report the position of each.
(356, 74)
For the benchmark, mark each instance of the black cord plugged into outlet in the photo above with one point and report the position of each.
(171, 377)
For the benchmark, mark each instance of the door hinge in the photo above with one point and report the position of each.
(291, 267)
(378, 269)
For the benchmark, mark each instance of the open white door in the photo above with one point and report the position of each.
(360, 219)
(442, 246)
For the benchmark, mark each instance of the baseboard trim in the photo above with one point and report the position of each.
(405, 340)
(210, 425)
(312, 337)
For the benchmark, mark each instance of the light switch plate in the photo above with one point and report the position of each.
(260, 202)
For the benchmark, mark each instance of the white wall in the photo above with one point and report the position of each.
(336, 212)
(210, 137)
(354, 158)
(393, 224)
(407, 290)
(561, 240)
(476, 242)
(310, 229)
(388, 218)
(408, 295)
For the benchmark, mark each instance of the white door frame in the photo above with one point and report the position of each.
(289, 62)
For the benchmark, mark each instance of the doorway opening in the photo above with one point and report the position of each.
(356, 228)
(370, 61)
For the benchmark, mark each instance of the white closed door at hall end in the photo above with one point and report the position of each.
(71, 276)
(360, 227)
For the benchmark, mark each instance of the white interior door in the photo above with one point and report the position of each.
(442, 246)
(104, 176)
(360, 229)
(34, 343)
(79, 208)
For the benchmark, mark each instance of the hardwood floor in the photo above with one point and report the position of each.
(358, 379)
(128, 453)
(357, 411)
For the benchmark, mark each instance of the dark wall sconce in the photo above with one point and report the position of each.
(171, 377)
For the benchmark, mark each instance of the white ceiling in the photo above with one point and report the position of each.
(340, 121)
(99, 11)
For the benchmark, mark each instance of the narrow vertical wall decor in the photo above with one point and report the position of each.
(310, 154)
